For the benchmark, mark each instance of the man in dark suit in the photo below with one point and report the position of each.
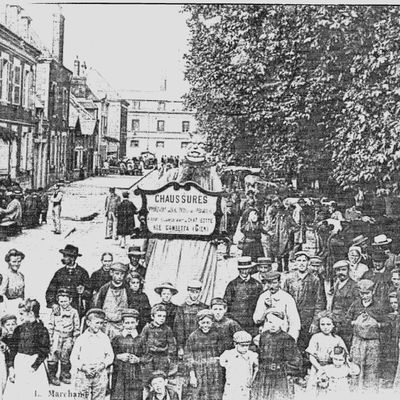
(72, 277)
(345, 292)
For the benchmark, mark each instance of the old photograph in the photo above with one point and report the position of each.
(199, 201)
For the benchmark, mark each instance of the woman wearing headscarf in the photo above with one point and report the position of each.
(357, 268)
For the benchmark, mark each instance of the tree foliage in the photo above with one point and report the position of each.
(299, 89)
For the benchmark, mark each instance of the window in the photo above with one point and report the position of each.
(135, 125)
(136, 105)
(161, 106)
(161, 126)
(160, 145)
(10, 83)
(52, 100)
(17, 85)
(65, 103)
(184, 145)
(134, 143)
(27, 89)
(185, 126)
(4, 73)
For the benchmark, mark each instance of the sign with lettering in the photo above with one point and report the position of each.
(181, 211)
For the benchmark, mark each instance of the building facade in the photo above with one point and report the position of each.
(157, 124)
(18, 61)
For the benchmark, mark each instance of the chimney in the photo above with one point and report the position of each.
(25, 27)
(58, 36)
(12, 17)
(84, 68)
(77, 66)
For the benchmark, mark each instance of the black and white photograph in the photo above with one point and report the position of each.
(199, 201)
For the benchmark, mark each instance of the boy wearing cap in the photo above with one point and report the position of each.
(224, 325)
(185, 319)
(128, 350)
(264, 265)
(166, 290)
(241, 295)
(64, 328)
(114, 297)
(241, 366)
(276, 298)
(159, 388)
(91, 355)
(368, 321)
(159, 345)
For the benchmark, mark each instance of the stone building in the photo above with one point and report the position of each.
(158, 123)
(53, 90)
(18, 59)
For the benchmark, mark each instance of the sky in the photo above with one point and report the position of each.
(132, 46)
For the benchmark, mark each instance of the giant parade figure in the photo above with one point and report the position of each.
(180, 260)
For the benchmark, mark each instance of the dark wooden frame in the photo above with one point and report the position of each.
(144, 231)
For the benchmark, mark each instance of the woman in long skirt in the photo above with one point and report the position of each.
(29, 348)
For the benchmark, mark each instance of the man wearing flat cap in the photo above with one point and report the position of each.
(113, 297)
(241, 295)
(264, 265)
(72, 277)
(382, 278)
(275, 297)
(367, 320)
(185, 318)
(305, 289)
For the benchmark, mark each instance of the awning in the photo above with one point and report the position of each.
(88, 126)
(6, 134)
(111, 139)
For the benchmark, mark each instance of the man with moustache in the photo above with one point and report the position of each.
(73, 278)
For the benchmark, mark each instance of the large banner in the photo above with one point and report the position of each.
(181, 211)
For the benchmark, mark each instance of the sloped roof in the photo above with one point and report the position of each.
(99, 85)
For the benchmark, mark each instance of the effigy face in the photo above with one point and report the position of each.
(196, 150)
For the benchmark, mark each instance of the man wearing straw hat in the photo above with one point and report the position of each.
(241, 295)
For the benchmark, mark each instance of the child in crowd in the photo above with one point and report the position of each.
(279, 358)
(225, 326)
(186, 315)
(63, 328)
(159, 388)
(140, 301)
(8, 325)
(127, 374)
(241, 365)
(166, 290)
(202, 352)
(91, 355)
(159, 345)
(335, 378)
(320, 347)
(29, 347)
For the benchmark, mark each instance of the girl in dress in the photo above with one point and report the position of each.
(320, 347)
(279, 358)
(29, 347)
(203, 348)
(335, 379)
(252, 229)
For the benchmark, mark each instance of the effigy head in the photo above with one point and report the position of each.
(196, 149)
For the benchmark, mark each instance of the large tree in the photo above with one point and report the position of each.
(307, 90)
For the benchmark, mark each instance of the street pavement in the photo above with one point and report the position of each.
(82, 198)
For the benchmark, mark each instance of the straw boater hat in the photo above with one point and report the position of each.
(135, 251)
(381, 240)
(264, 261)
(244, 263)
(166, 285)
(358, 240)
(194, 284)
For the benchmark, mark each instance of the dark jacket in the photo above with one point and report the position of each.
(101, 296)
(70, 280)
(98, 279)
(126, 211)
(171, 393)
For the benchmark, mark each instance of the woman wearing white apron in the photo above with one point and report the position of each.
(12, 287)
(29, 347)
